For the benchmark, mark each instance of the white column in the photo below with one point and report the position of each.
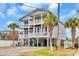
(78, 38)
(47, 42)
(41, 24)
(28, 42)
(28, 26)
(34, 25)
(33, 42)
(37, 42)
(41, 42)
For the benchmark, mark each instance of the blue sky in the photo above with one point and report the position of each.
(12, 12)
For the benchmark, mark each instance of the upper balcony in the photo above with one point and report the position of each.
(24, 26)
(36, 21)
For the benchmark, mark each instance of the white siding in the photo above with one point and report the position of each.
(62, 32)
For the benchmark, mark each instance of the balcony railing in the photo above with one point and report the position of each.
(25, 35)
(38, 21)
(31, 22)
(24, 25)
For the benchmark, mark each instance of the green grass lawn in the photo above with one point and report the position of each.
(46, 52)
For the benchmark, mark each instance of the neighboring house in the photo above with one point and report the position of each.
(8, 35)
(32, 32)
(12, 36)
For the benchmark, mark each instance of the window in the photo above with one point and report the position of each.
(45, 29)
(37, 29)
(25, 22)
(25, 32)
(21, 32)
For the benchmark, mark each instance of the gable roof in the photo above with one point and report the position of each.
(31, 13)
(35, 11)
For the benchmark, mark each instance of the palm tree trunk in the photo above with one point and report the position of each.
(78, 38)
(51, 47)
(73, 31)
(14, 35)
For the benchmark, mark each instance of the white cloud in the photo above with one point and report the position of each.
(68, 32)
(9, 22)
(53, 6)
(69, 15)
(1, 15)
(11, 11)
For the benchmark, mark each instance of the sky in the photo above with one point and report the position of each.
(12, 12)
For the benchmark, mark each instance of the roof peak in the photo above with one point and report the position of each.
(33, 12)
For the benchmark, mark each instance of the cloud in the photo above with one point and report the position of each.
(9, 22)
(1, 15)
(68, 15)
(68, 32)
(53, 6)
(11, 11)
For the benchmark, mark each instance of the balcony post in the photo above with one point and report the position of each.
(41, 24)
(28, 25)
(28, 42)
(34, 25)
(33, 42)
(42, 42)
(37, 42)
(47, 42)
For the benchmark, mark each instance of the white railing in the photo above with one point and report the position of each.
(31, 22)
(38, 21)
(24, 25)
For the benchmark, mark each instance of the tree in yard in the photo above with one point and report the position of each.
(77, 24)
(71, 23)
(50, 21)
(13, 26)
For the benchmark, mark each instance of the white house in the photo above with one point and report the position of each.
(32, 32)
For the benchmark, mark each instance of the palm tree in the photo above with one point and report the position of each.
(13, 26)
(77, 24)
(71, 23)
(50, 21)
(78, 28)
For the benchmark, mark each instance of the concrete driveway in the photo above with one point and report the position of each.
(14, 51)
